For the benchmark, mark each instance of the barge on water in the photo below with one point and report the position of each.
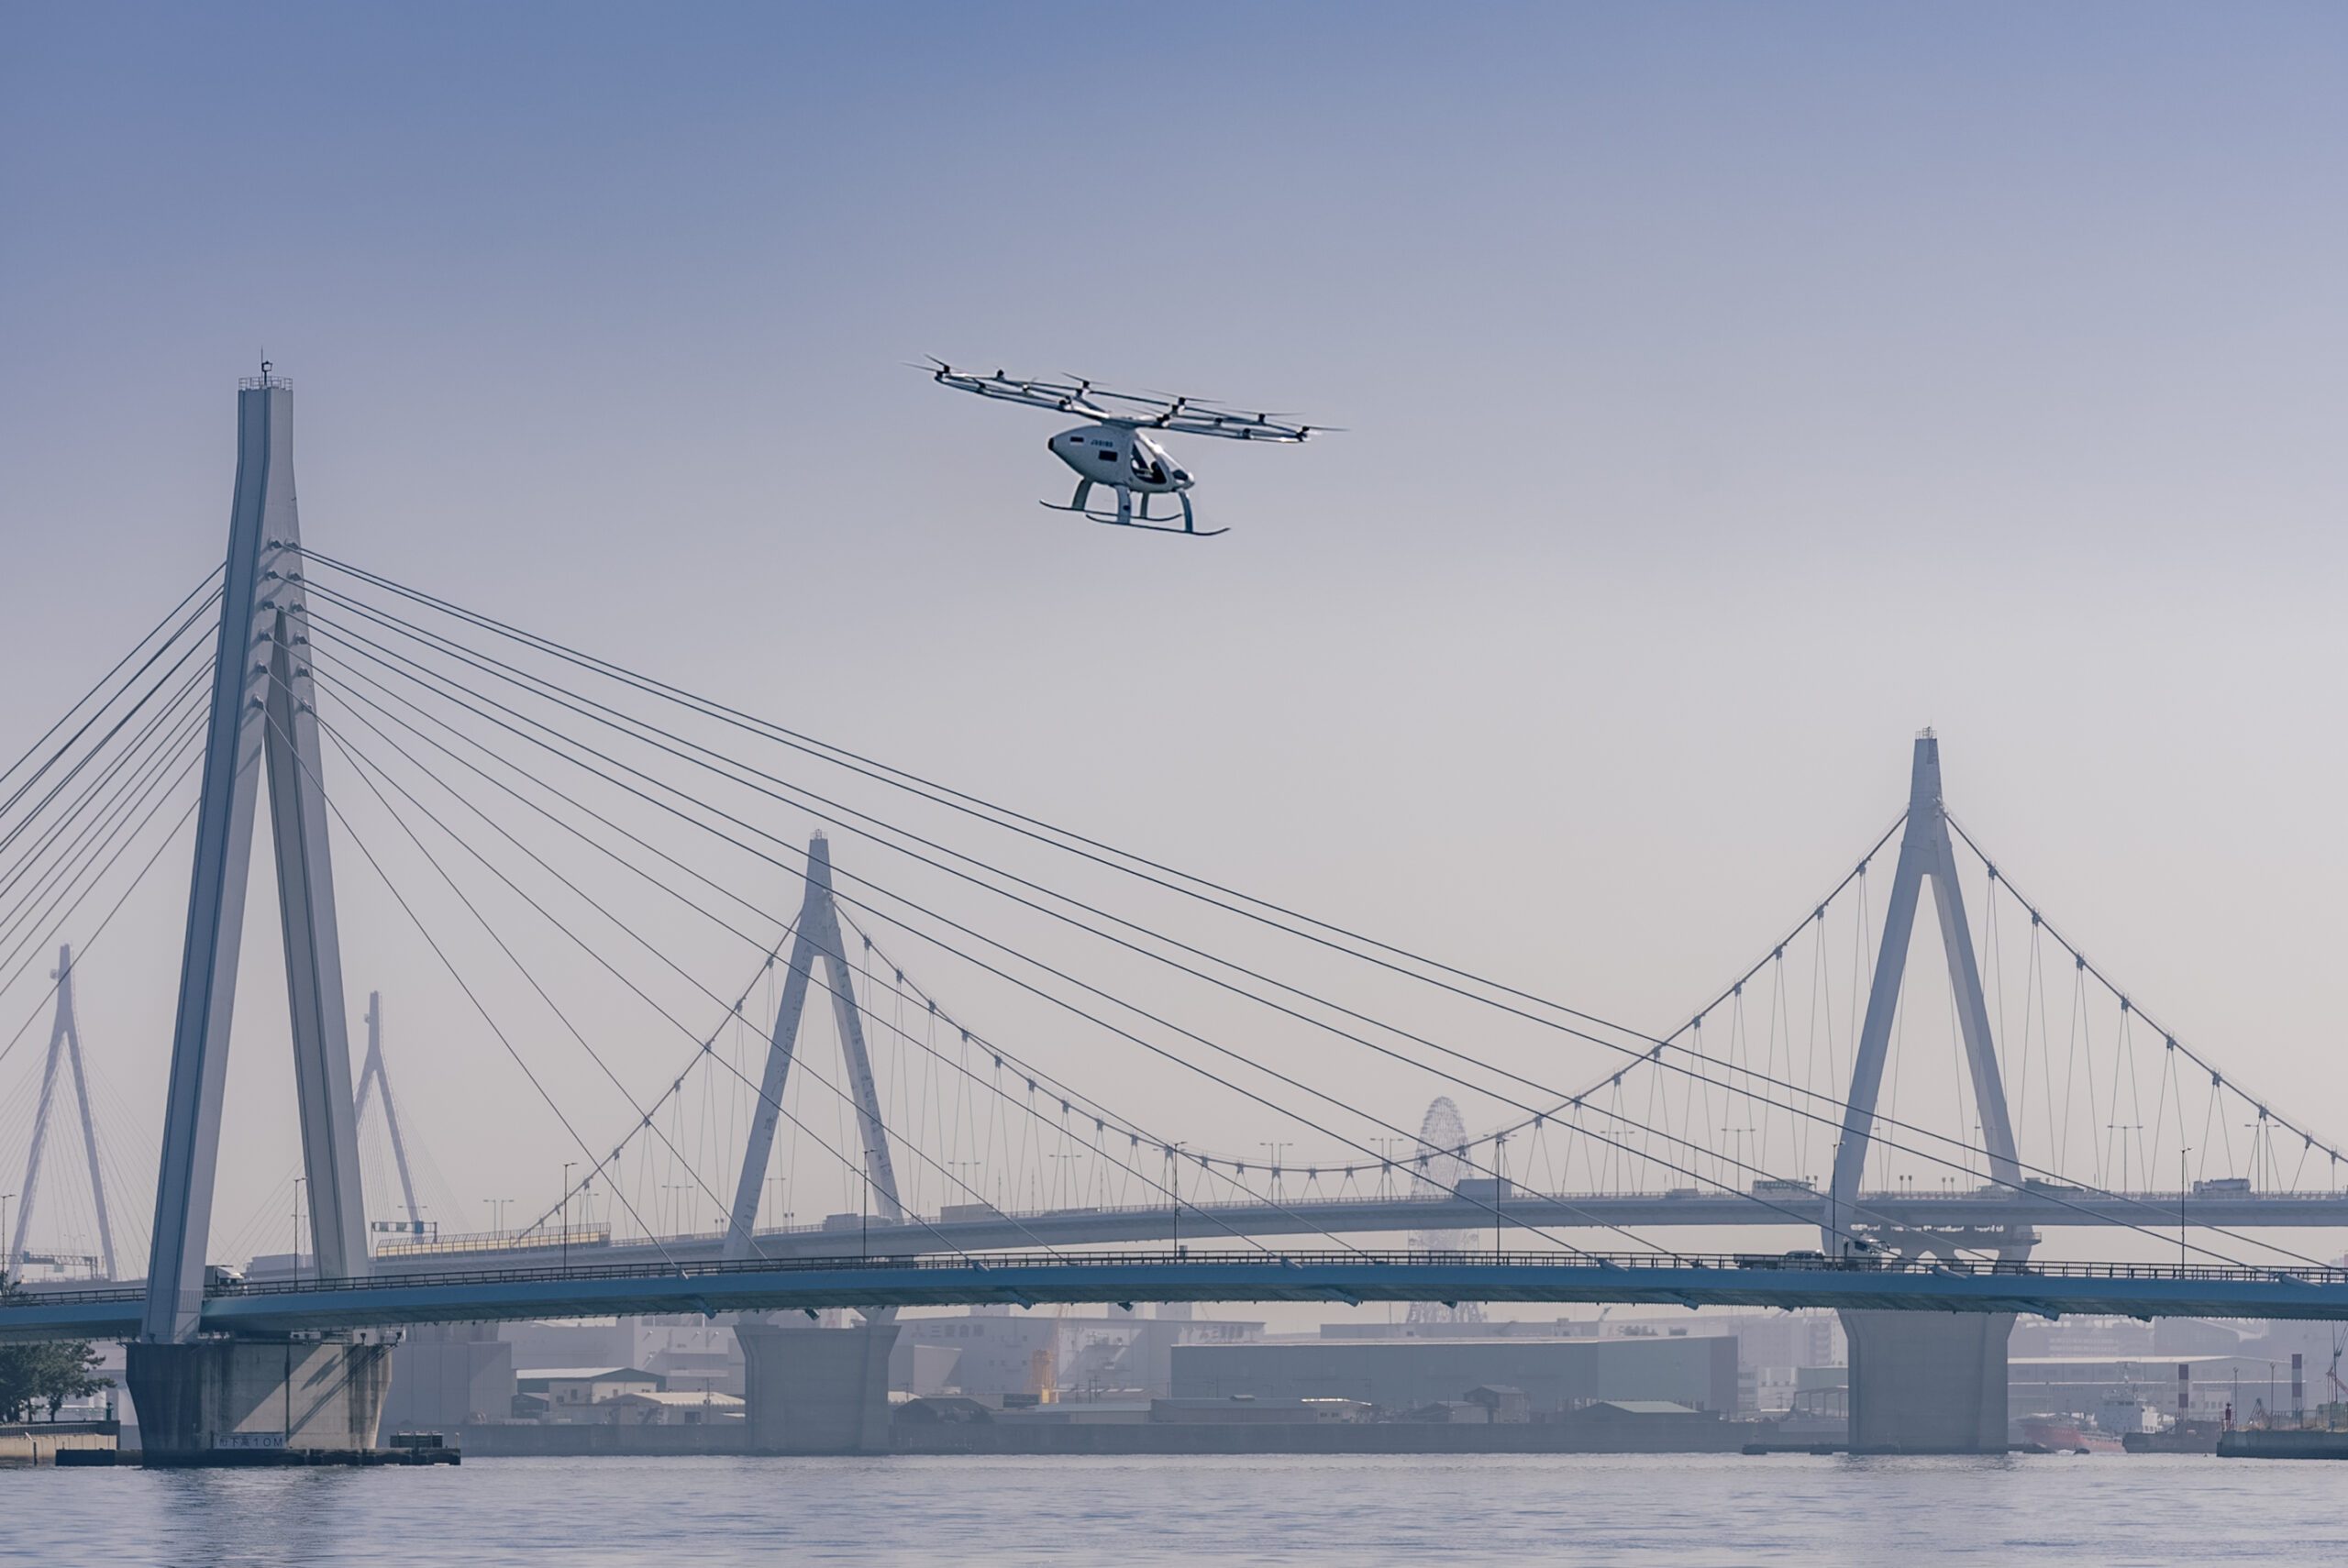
(2283, 1442)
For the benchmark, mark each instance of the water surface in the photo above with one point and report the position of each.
(1564, 1509)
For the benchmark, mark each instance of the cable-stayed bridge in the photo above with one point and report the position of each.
(618, 904)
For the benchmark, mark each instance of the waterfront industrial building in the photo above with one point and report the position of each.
(1696, 1371)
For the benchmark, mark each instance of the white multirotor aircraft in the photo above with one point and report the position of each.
(1118, 448)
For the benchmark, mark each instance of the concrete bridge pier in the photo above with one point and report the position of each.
(816, 1390)
(1928, 1381)
(203, 1401)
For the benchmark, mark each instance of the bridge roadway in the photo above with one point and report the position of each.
(1319, 1276)
(1219, 1224)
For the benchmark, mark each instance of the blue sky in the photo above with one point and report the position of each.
(1729, 391)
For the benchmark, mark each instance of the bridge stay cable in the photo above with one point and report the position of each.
(86, 880)
(194, 618)
(33, 812)
(38, 916)
(116, 907)
(1036, 828)
(1975, 847)
(1066, 840)
(668, 741)
(350, 694)
(334, 632)
(126, 753)
(430, 941)
(112, 796)
(539, 686)
(408, 667)
(703, 1046)
(528, 976)
(984, 810)
(343, 745)
(646, 1118)
(54, 918)
(1739, 1068)
(879, 981)
(2127, 1002)
(467, 655)
(93, 810)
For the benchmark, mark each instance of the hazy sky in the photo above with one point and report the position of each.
(1729, 391)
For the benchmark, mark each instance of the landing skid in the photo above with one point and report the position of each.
(1124, 516)
(1145, 527)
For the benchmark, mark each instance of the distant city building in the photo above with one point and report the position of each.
(689, 1353)
(671, 1408)
(1404, 1374)
(572, 1392)
(1501, 1402)
(2083, 1384)
(444, 1376)
(990, 1353)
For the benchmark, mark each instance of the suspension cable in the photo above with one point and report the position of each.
(1743, 1071)
(339, 635)
(350, 694)
(396, 661)
(345, 747)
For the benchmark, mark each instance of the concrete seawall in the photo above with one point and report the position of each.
(1694, 1435)
(40, 1442)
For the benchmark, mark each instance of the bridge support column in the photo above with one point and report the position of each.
(816, 1390)
(1928, 1381)
(231, 1401)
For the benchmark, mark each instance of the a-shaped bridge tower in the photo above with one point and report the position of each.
(64, 1051)
(194, 1395)
(811, 1388)
(1924, 1382)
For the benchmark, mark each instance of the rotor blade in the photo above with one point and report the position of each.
(1175, 413)
(1003, 389)
(1239, 427)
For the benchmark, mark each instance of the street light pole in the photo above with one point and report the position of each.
(1500, 1188)
(1274, 1150)
(568, 1167)
(1174, 1158)
(297, 1229)
(2182, 1188)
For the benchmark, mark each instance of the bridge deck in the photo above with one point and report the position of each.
(1221, 1224)
(1350, 1277)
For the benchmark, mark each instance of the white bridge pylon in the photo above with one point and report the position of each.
(263, 719)
(373, 1080)
(1926, 850)
(64, 1045)
(818, 938)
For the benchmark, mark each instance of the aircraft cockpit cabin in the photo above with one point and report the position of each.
(1108, 455)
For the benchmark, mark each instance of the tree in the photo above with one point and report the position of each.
(46, 1373)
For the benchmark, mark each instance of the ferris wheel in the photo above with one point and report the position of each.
(1436, 1171)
